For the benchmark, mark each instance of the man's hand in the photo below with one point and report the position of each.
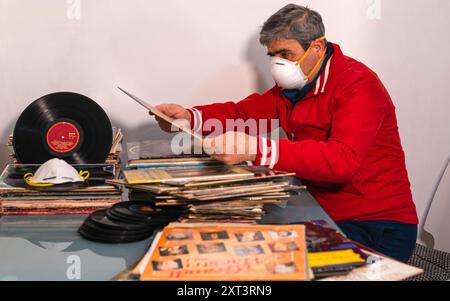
(231, 147)
(174, 111)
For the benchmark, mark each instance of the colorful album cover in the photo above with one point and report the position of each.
(228, 252)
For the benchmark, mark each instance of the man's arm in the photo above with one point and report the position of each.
(257, 107)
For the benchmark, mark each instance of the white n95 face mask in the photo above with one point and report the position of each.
(54, 172)
(288, 74)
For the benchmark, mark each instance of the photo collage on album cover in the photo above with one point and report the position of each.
(280, 249)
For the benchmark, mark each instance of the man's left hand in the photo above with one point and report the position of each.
(231, 147)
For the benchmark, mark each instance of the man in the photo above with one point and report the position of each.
(343, 135)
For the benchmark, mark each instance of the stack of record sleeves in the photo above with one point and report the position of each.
(207, 190)
(17, 198)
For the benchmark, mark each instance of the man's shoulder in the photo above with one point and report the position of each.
(348, 69)
(353, 78)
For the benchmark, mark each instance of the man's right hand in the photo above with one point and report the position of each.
(173, 111)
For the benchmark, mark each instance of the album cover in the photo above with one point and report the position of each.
(329, 251)
(260, 174)
(227, 252)
(184, 175)
(172, 162)
(380, 268)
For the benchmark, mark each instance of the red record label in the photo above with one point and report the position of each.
(63, 137)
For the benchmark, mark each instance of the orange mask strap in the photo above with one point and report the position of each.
(318, 62)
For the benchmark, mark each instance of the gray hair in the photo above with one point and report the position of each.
(293, 22)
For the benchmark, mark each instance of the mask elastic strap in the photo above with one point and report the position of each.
(85, 174)
(27, 178)
(317, 65)
(318, 62)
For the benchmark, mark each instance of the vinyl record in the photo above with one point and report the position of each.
(98, 227)
(112, 215)
(100, 219)
(111, 239)
(63, 125)
(144, 212)
(155, 220)
(94, 228)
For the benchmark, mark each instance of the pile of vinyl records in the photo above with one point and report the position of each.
(70, 127)
(209, 191)
(126, 222)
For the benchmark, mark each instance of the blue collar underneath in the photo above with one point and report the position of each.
(295, 95)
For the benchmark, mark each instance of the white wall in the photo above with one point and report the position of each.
(197, 51)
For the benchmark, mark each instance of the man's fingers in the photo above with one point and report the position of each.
(166, 126)
(227, 159)
(174, 111)
(168, 109)
(220, 158)
(162, 107)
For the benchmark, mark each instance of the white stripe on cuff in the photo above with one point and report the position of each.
(264, 152)
(273, 153)
(198, 122)
(194, 125)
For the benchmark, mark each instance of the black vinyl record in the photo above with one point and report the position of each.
(140, 211)
(112, 215)
(63, 125)
(155, 220)
(100, 219)
(98, 227)
(112, 239)
(94, 228)
(139, 208)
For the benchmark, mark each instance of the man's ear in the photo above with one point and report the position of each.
(320, 47)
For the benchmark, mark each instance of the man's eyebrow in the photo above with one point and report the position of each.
(278, 52)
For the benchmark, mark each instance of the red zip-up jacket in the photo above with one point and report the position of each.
(344, 141)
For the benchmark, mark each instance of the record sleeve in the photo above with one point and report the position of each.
(228, 252)
(183, 175)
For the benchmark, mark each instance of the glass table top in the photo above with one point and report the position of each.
(50, 248)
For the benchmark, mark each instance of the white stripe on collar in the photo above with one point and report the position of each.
(327, 73)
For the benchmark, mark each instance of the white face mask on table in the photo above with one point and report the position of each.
(54, 172)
